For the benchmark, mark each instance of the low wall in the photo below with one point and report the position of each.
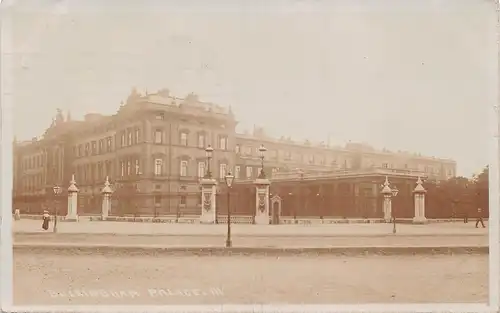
(239, 219)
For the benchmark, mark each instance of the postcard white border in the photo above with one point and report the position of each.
(6, 252)
(6, 160)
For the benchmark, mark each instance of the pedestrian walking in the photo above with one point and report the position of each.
(466, 217)
(479, 218)
(46, 219)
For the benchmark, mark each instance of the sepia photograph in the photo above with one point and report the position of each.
(252, 152)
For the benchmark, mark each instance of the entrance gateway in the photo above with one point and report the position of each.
(275, 209)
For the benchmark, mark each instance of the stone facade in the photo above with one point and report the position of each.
(152, 150)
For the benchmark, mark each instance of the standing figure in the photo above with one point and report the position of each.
(46, 220)
(479, 218)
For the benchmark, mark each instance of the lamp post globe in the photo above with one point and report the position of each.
(394, 191)
(262, 151)
(208, 151)
(229, 178)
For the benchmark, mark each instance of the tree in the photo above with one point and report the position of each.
(481, 188)
(455, 197)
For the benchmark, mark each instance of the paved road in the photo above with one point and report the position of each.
(253, 241)
(46, 279)
(255, 230)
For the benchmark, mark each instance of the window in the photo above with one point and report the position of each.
(237, 172)
(158, 136)
(222, 170)
(137, 135)
(122, 168)
(123, 139)
(101, 146)
(94, 147)
(288, 155)
(107, 168)
(80, 150)
(249, 172)
(184, 168)
(184, 139)
(183, 200)
(157, 200)
(201, 169)
(201, 140)
(311, 159)
(385, 165)
(137, 167)
(274, 171)
(129, 137)
(247, 150)
(129, 167)
(160, 116)
(237, 149)
(87, 149)
(109, 143)
(223, 143)
(158, 167)
(99, 171)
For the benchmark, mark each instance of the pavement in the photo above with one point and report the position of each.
(315, 230)
(44, 279)
(353, 239)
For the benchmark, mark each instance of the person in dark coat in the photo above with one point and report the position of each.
(46, 220)
(479, 217)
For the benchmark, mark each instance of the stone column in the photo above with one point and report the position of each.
(419, 196)
(106, 199)
(72, 215)
(262, 201)
(208, 205)
(387, 204)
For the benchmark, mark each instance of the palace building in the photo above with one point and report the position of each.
(153, 151)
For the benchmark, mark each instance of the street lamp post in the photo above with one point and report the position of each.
(262, 152)
(229, 182)
(208, 153)
(394, 194)
(321, 204)
(301, 191)
(208, 175)
(57, 191)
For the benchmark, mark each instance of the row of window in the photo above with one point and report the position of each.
(128, 137)
(34, 161)
(427, 169)
(202, 170)
(132, 136)
(201, 139)
(312, 159)
(32, 182)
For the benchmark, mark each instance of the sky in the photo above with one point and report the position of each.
(403, 75)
